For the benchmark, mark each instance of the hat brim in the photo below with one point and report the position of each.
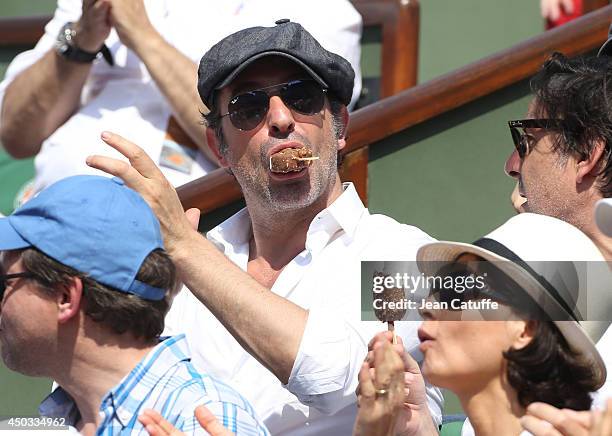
(9, 238)
(603, 216)
(230, 77)
(432, 256)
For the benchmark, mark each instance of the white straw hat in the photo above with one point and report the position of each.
(539, 253)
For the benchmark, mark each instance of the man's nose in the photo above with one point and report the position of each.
(280, 118)
(513, 164)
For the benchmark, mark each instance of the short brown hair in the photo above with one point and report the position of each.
(550, 371)
(120, 311)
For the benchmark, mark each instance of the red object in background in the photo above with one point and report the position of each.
(564, 18)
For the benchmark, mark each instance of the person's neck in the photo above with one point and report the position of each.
(93, 368)
(279, 237)
(583, 217)
(493, 410)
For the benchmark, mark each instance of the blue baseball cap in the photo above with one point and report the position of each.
(94, 224)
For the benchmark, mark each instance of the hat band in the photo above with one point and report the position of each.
(500, 249)
(146, 291)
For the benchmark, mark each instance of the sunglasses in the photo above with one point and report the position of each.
(6, 277)
(247, 110)
(521, 138)
(486, 282)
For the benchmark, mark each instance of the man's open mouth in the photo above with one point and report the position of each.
(291, 159)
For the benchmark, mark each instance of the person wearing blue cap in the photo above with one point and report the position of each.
(277, 286)
(85, 285)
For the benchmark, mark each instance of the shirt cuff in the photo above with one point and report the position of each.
(322, 370)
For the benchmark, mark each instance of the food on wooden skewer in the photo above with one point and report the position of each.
(291, 159)
(386, 314)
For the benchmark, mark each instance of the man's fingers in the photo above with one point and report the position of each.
(410, 365)
(562, 422)
(602, 421)
(568, 6)
(193, 216)
(149, 425)
(381, 336)
(136, 155)
(366, 386)
(210, 423)
(158, 423)
(117, 168)
(557, 417)
(538, 427)
(387, 364)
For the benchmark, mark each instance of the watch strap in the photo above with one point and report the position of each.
(67, 48)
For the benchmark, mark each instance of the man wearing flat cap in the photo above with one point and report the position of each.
(287, 333)
(84, 288)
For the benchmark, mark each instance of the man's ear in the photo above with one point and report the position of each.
(524, 333)
(591, 165)
(213, 144)
(345, 120)
(68, 298)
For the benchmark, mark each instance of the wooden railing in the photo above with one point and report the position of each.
(399, 20)
(423, 102)
(22, 30)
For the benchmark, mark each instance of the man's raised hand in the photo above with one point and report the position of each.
(142, 175)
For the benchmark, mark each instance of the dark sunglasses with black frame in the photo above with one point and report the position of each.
(6, 277)
(248, 109)
(520, 137)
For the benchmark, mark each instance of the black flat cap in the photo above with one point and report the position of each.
(226, 59)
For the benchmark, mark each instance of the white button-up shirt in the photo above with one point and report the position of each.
(324, 279)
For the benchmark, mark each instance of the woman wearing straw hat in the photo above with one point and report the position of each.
(532, 348)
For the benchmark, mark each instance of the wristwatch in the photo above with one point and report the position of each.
(65, 45)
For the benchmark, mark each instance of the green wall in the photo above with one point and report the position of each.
(448, 181)
(448, 172)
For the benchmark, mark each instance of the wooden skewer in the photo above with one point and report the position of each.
(304, 159)
(391, 328)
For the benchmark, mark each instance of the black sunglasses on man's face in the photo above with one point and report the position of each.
(248, 109)
(520, 137)
(6, 277)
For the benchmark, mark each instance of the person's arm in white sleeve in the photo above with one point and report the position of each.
(325, 373)
(43, 96)
(174, 73)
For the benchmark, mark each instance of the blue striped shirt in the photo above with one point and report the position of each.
(166, 381)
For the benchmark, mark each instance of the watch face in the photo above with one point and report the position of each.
(63, 48)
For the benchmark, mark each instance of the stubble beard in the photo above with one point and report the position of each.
(287, 197)
(555, 203)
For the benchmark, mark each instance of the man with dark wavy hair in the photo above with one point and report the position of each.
(563, 155)
(563, 164)
(85, 285)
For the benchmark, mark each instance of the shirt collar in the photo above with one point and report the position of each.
(343, 214)
(233, 232)
(169, 352)
(127, 397)
(59, 404)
